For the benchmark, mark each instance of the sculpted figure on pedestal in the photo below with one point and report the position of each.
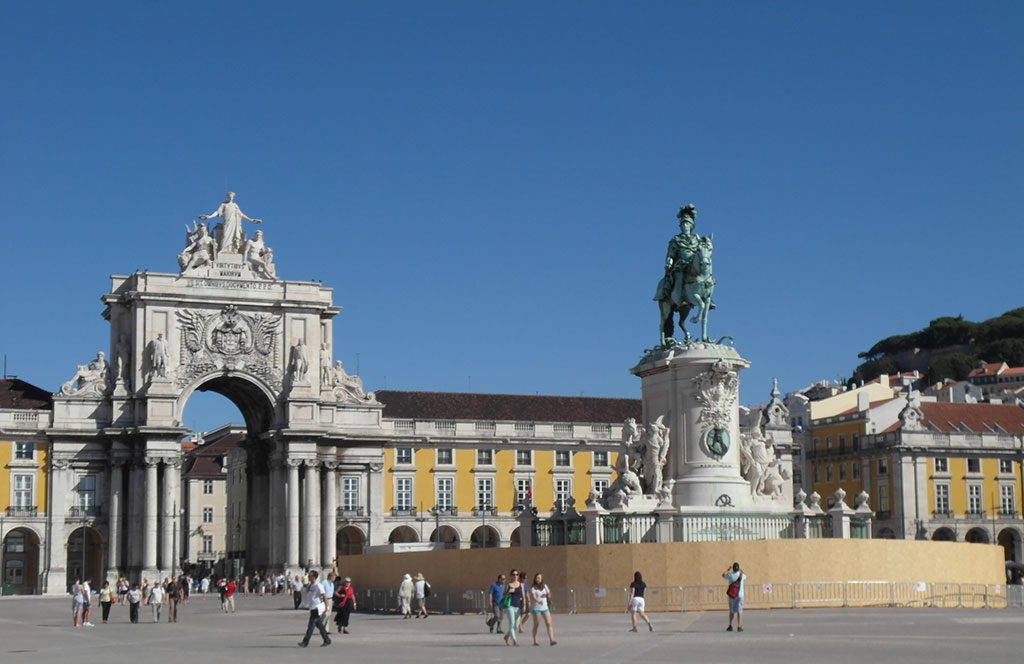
(298, 363)
(655, 455)
(230, 235)
(326, 374)
(260, 257)
(759, 465)
(688, 281)
(625, 485)
(122, 360)
(92, 379)
(156, 357)
(200, 249)
(349, 388)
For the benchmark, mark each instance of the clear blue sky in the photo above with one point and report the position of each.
(489, 187)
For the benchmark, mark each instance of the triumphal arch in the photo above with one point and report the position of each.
(224, 322)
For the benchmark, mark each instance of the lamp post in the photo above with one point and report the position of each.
(420, 519)
(436, 511)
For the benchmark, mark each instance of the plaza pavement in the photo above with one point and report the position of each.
(266, 629)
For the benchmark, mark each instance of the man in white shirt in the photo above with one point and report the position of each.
(87, 603)
(328, 588)
(316, 601)
(156, 600)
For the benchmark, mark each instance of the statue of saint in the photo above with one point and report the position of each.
(122, 360)
(298, 363)
(230, 235)
(156, 355)
(326, 375)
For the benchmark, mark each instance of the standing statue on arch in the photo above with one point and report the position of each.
(229, 233)
(688, 282)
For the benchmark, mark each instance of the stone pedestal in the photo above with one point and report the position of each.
(696, 389)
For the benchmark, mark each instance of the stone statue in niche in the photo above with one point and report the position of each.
(326, 374)
(156, 357)
(349, 389)
(122, 368)
(200, 249)
(260, 257)
(92, 379)
(298, 363)
(230, 235)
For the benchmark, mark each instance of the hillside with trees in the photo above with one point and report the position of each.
(948, 348)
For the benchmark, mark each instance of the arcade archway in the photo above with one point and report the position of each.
(943, 535)
(21, 561)
(977, 536)
(446, 536)
(484, 537)
(351, 541)
(403, 535)
(85, 555)
(1010, 540)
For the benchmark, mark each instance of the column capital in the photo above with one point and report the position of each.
(173, 462)
(331, 466)
(119, 461)
(150, 461)
(293, 463)
(60, 462)
(311, 463)
(375, 467)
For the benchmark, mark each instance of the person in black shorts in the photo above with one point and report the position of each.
(637, 604)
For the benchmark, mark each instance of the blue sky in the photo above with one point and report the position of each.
(489, 187)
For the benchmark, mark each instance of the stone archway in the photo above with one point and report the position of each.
(977, 536)
(943, 535)
(351, 541)
(513, 539)
(21, 561)
(446, 536)
(403, 535)
(1010, 540)
(484, 537)
(85, 556)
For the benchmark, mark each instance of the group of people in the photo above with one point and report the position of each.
(513, 601)
(409, 588)
(332, 595)
(170, 593)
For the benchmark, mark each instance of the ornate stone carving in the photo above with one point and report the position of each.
(200, 249)
(60, 463)
(775, 414)
(799, 497)
(814, 501)
(90, 380)
(912, 417)
(229, 340)
(655, 454)
(759, 465)
(326, 374)
(260, 257)
(625, 485)
(717, 389)
(122, 369)
(156, 358)
(861, 500)
(349, 389)
(298, 363)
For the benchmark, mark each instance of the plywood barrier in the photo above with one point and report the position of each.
(802, 569)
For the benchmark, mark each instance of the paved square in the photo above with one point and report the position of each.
(38, 630)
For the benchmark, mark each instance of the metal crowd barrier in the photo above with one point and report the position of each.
(757, 595)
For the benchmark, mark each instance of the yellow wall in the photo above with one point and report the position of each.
(957, 478)
(6, 457)
(698, 563)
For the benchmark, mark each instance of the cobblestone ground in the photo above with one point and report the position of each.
(265, 629)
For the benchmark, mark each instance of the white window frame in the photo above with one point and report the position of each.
(444, 498)
(86, 499)
(485, 489)
(399, 492)
(599, 485)
(1008, 464)
(882, 466)
(941, 468)
(346, 492)
(558, 493)
(883, 497)
(438, 461)
(207, 487)
(207, 515)
(568, 456)
(1007, 498)
(30, 491)
(398, 456)
(522, 496)
(529, 454)
(490, 457)
(207, 544)
(975, 498)
(942, 498)
(24, 451)
(597, 461)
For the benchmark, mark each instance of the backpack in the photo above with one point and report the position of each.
(426, 589)
(733, 590)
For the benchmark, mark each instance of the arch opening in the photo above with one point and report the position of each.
(21, 561)
(977, 536)
(943, 535)
(403, 535)
(350, 541)
(85, 555)
(513, 539)
(446, 536)
(484, 537)
(1010, 540)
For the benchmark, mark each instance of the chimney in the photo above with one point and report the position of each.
(863, 401)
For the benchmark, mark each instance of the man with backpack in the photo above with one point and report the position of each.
(734, 592)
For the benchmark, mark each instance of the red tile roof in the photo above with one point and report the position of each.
(203, 466)
(511, 407)
(954, 417)
(15, 393)
(990, 369)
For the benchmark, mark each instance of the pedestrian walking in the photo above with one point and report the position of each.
(134, 597)
(174, 595)
(513, 602)
(539, 596)
(345, 604)
(328, 588)
(637, 605)
(524, 615)
(297, 591)
(422, 593)
(122, 590)
(315, 600)
(494, 594)
(230, 588)
(405, 591)
(186, 586)
(156, 600)
(87, 603)
(734, 592)
(77, 602)
(106, 599)
(204, 586)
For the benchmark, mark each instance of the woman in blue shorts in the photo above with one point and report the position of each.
(539, 608)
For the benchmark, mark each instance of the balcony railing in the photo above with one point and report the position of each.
(975, 514)
(942, 514)
(485, 511)
(445, 511)
(21, 510)
(349, 512)
(83, 512)
(403, 511)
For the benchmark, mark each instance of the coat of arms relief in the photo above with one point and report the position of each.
(229, 340)
(716, 392)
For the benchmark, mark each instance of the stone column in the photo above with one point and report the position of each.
(166, 563)
(56, 572)
(329, 518)
(311, 513)
(292, 539)
(149, 518)
(172, 507)
(114, 521)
